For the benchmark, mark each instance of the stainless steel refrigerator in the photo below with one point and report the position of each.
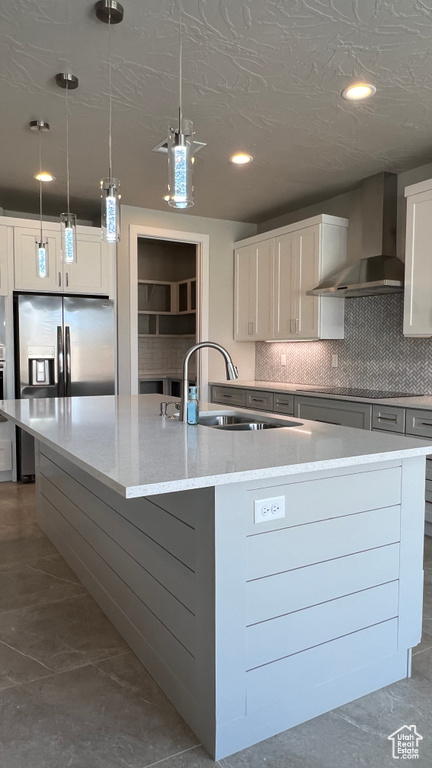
(64, 347)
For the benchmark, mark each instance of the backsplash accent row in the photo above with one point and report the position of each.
(374, 353)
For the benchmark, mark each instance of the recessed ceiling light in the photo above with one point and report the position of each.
(44, 176)
(358, 91)
(241, 158)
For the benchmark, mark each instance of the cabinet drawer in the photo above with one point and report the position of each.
(228, 395)
(261, 400)
(340, 412)
(388, 419)
(419, 423)
(283, 404)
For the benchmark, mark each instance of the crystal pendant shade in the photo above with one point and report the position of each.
(110, 210)
(68, 237)
(180, 179)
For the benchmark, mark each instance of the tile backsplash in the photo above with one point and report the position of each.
(374, 353)
(163, 355)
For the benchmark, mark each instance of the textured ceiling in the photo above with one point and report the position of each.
(264, 76)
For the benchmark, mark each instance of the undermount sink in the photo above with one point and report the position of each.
(241, 423)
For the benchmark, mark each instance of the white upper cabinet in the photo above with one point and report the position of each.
(93, 272)
(25, 260)
(6, 244)
(418, 261)
(253, 291)
(274, 272)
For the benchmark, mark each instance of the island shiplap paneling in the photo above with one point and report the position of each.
(172, 534)
(300, 588)
(337, 496)
(177, 578)
(316, 666)
(287, 548)
(175, 617)
(142, 630)
(285, 635)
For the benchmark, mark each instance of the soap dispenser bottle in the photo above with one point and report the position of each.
(192, 406)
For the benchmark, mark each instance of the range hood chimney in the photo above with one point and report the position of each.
(379, 271)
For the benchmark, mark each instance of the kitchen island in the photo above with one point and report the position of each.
(250, 622)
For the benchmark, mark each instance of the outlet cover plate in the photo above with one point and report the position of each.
(267, 510)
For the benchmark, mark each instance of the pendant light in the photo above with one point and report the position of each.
(41, 245)
(68, 220)
(110, 12)
(180, 146)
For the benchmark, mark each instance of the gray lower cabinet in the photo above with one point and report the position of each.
(419, 424)
(340, 412)
(388, 419)
(229, 395)
(261, 400)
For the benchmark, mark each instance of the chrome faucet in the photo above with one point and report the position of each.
(231, 371)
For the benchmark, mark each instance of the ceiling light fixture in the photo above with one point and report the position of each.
(41, 245)
(180, 149)
(68, 220)
(44, 176)
(358, 91)
(110, 12)
(241, 158)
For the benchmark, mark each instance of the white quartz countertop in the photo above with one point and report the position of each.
(123, 442)
(418, 401)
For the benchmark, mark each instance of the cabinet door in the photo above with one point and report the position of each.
(4, 251)
(25, 260)
(306, 308)
(92, 271)
(418, 266)
(341, 412)
(284, 277)
(253, 292)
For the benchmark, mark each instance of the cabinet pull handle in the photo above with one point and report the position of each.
(257, 400)
(67, 279)
(282, 402)
(387, 418)
(59, 274)
(250, 329)
(226, 396)
(426, 423)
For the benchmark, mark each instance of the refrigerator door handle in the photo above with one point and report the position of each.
(60, 361)
(68, 361)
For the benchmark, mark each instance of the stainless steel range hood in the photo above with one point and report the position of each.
(379, 271)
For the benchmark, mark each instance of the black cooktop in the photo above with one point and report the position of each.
(356, 392)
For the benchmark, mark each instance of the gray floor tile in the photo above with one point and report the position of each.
(25, 587)
(62, 635)
(16, 668)
(425, 643)
(422, 665)
(23, 550)
(54, 566)
(128, 672)
(83, 719)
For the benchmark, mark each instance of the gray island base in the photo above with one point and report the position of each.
(251, 628)
(251, 624)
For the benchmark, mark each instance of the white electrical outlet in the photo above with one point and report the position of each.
(283, 359)
(335, 361)
(269, 509)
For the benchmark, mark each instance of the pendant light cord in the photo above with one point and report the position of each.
(110, 98)
(180, 74)
(67, 148)
(40, 182)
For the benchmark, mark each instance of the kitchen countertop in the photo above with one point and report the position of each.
(418, 401)
(123, 442)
